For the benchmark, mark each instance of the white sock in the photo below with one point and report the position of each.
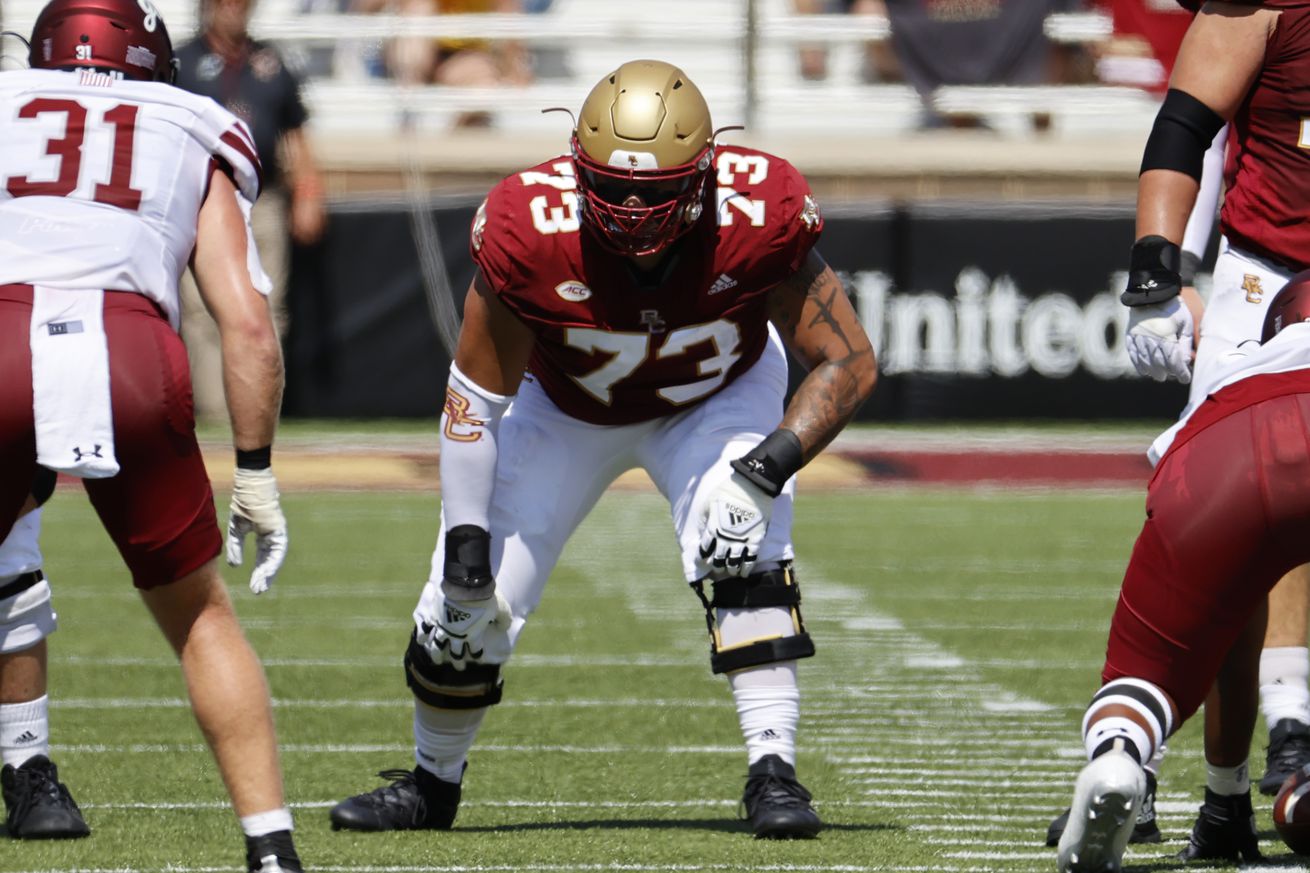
(262, 823)
(1227, 780)
(1285, 684)
(768, 709)
(24, 731)
(443, 737)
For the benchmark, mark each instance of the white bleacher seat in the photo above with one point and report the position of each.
(708, 38)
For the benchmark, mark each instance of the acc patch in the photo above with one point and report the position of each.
(810, 215)
(573, 291)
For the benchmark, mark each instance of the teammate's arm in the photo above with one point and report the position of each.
(1219, 59)
(817, 322)
(252, 377)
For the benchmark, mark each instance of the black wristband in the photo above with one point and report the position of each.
(466, 571)
(1152, 272)
(255, 459)
(1188, 265)
(775, 460)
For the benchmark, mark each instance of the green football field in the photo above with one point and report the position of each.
(959, 636)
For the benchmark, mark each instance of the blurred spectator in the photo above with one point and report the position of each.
(1145, 42)
(459, 63)
(879, 61)
(252, 81)
(970, 42)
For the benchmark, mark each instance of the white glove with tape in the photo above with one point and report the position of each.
(735, 521)
(255, 509)
(467, 631)
(1160, 340)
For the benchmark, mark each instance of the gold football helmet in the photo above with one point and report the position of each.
(643, 150)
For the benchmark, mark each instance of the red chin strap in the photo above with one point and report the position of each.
(641, 230)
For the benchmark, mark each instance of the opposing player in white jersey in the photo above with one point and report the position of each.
(111, 181)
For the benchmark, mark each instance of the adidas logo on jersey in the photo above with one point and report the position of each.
(723, 283)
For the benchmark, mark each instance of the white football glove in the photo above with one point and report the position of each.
(1160, 340)
(460, 636)
(255, 509)
(736, 519)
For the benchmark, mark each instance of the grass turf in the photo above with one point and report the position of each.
(959, 634)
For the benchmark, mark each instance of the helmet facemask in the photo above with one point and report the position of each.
(636, 211)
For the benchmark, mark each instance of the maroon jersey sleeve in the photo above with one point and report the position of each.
(1268, 167)
(494, 241)
(768, 217)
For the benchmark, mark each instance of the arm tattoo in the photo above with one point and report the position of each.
(816, 319)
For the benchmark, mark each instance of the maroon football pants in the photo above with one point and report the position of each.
(159, 509)
(1227, 515)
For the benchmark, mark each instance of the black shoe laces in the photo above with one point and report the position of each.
(402, 791)
(773, 790)
(1291, 750)
(35, 786)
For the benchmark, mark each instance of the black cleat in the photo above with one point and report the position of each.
(272, 853)
(1224, 830)
(1289, 750)
(1144, 831)
(37, 805)
(415, 800)
(777, 805)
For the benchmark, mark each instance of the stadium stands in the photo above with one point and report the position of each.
(761, 87)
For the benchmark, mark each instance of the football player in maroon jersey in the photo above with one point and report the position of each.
(1226, 514)
(1243, 64)
(129, 180)
(630, 310)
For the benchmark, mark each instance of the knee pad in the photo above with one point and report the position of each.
(26, 615)
(444, 687)
(765, 626)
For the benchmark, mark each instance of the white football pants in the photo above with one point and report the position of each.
(552, 469)
(1244, 285)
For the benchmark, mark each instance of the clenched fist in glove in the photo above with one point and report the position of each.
(467, 605)
(1160, 340)
(255, 509)
(461, 635)
(736, 519)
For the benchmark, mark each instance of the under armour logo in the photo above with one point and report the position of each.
(94, 453)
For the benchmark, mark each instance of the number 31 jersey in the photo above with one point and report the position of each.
(617, 346)
(102, 179)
